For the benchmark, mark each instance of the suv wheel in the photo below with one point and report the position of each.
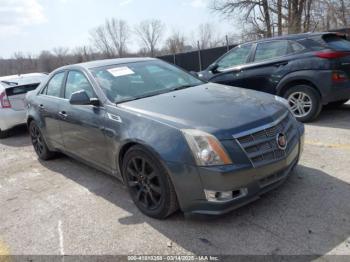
(148, 183)
(39, 143)
(304, 102)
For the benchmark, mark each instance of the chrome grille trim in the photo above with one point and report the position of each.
(260, 145)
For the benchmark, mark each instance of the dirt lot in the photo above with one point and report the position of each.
(64, 207)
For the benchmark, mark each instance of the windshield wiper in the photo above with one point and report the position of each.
(138, 97)
(182, 87)
(154, 94)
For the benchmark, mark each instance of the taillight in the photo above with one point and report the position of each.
(338, 76)
(331, 54)
(4, 101)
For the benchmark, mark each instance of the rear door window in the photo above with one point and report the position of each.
(295, 47)
(54, 86)
(269, 50)
(337, 43)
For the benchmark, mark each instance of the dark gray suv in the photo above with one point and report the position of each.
(174, 140)
(309, 70)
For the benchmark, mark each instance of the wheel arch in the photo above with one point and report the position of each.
(29, 120)
(131, 143)
(293, 82)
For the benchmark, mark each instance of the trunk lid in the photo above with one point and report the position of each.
(16, 95)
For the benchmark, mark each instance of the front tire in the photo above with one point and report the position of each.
(304, 102)
(39, 143)
(149, 183)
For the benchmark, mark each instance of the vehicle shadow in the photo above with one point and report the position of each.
(334, 117)
(18, 137)
(308, 214)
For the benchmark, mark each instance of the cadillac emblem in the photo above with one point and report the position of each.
(281, 141)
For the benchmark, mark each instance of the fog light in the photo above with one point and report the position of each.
(222, 196)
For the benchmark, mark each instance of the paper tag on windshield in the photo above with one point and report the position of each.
(121, 71)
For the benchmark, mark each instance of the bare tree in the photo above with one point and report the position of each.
(100, 41)
(290, 16)
(111, 38)
(150, 33)
(118, 33)
(207, 36)
(255, 12)
(176, 43)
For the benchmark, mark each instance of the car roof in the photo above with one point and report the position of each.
(294, 36)
(107, 62)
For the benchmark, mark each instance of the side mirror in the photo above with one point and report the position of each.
(213, 68)
(82, 98)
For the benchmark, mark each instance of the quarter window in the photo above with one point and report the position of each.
(76, 81)
(269, 50)
(53, 88)
(235, 57)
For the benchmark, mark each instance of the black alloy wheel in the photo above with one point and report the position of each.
(148, 183)
(38, 142)
(144, 182)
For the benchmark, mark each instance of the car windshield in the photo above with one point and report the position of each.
(132, 81)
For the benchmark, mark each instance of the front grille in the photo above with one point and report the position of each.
(261, 146)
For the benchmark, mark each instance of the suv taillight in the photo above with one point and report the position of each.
(4, 101)
(331, 54)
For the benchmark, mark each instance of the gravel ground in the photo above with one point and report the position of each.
(64, 207)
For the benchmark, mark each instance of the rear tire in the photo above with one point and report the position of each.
(39, 143)
(149, 183)
(4, 134)
(304, 101)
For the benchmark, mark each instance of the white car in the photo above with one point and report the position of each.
(13, 90)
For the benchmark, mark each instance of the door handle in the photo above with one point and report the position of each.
(281, 64)
(62, 114)
(41, 107)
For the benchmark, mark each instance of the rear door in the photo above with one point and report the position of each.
(269, 64)
(47, 103)
(82, 126)
(229, 71)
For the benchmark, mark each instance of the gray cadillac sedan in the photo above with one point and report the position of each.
(174, 140)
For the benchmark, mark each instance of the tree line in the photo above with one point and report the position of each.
(266, 18)
(255, 18)
(111, 40)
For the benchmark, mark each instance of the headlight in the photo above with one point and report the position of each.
(206, 149)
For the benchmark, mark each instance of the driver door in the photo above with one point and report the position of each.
(82, 126)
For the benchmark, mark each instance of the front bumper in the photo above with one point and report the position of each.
(254, 182)
(10, 118)
(191, 182)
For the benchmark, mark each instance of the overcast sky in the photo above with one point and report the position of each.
(30, 26)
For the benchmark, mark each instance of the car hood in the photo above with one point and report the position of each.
(217, 109)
